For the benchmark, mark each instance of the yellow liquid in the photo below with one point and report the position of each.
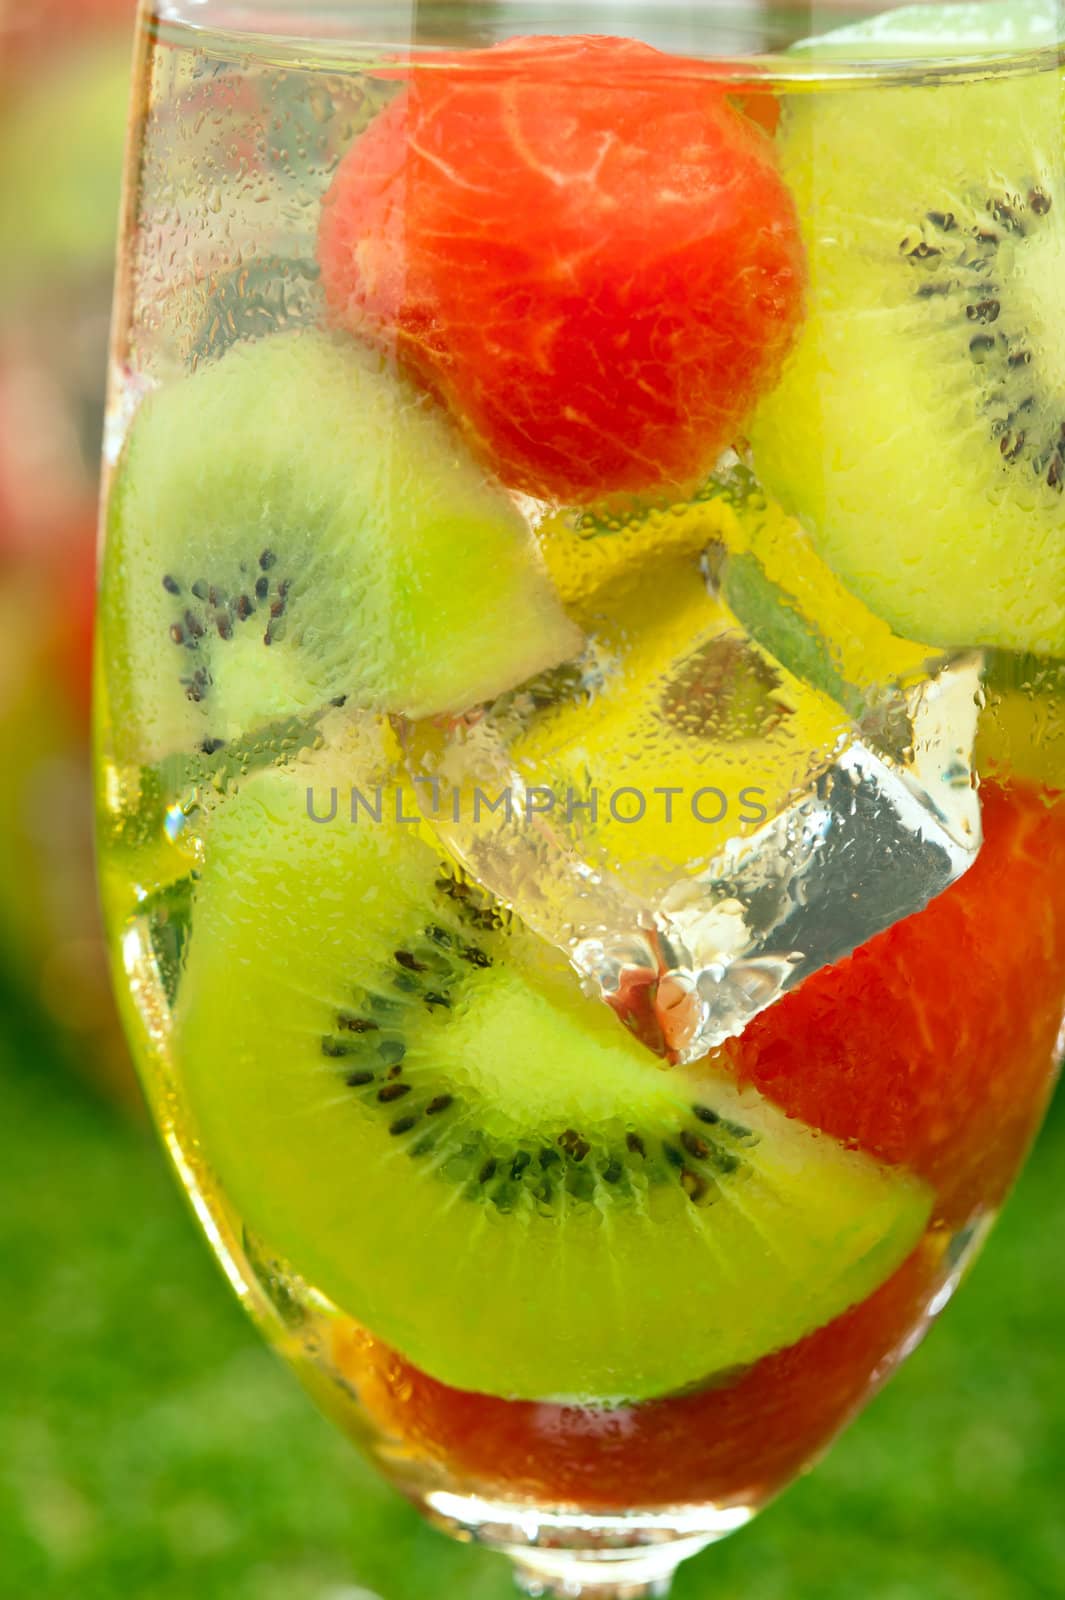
(238, 147)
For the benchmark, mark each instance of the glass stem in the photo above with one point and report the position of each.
(566, 1575)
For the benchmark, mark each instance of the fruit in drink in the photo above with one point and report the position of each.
(295, 524)
(935, 1044)
(737, 1441)
(584, 248)
(937, 244)
(886, 1049)
(415, 1083)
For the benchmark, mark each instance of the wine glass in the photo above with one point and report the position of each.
(580, 709)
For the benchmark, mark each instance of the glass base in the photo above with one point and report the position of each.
(569, 1555)
(568, 1574)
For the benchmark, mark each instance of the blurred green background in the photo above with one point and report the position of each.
(150, 1449)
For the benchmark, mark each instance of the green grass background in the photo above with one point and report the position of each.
(150, 1448)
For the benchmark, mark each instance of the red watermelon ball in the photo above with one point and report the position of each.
(583, 248)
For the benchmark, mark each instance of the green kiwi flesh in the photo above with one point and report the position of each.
(934, 220)
(406, 1095)
(294, 524)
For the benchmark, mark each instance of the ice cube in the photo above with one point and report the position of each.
(690, 816)
(870, 843)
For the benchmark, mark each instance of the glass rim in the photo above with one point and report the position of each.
(351, 33)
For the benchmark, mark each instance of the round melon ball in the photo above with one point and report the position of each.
(583, 248)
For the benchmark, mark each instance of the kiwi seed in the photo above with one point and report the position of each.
(965, 267)
(430, 970)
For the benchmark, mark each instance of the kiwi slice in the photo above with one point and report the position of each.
(293, 524)
(406, 1095)
(934, 219)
